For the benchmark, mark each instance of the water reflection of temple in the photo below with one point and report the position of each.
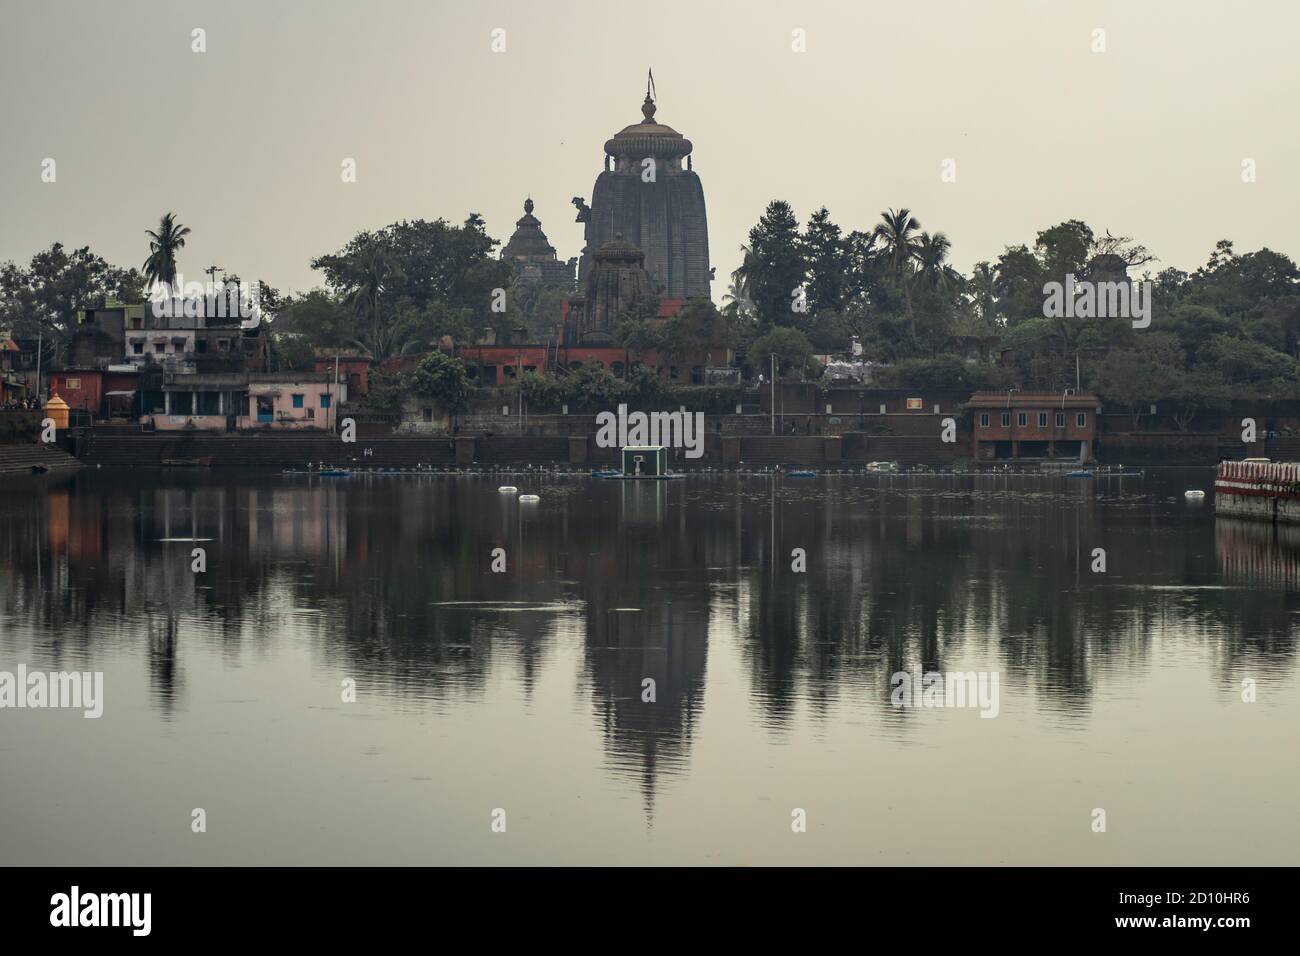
(667, 581)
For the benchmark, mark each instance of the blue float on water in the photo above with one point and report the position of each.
(801, 474)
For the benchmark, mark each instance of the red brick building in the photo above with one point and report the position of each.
(1015, 425)
(353, 371)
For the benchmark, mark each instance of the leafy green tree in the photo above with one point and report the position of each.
(1064, 249)
(442, 379)
(292, 353)
(430, 262)
(1196, 391)
(386, 390)
(791, 347)
(541, 391)
(1139, 377)
(698, 328)
(1242, 362)
(43, 298)
(777, 269)
(827, 258)
(318, 319)
(592, 386)
(1019, 285)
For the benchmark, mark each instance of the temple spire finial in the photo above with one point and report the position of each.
(648, 107)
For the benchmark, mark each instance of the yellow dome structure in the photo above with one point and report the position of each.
(57, 409)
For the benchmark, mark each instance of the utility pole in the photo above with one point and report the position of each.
(334, 393)
(219, 301)
(39, 338)
(772, 403)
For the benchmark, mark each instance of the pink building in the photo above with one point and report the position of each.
(258, 400)
(292, 400)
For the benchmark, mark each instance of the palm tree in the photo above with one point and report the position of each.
(899, 249)
(375, 269)
(160, 267)
(931, 257)
(983, 290)
(737, 301)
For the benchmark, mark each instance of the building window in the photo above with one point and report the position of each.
(1006, 419)
(324, 401)
(137, 348)
(160, 348)
(1060, 419)
(1022, 419)
(984, 419)
(223, 345)
(71, 384)
(428, 414)
(297, 401)
(1081, 419)
(1042, 419)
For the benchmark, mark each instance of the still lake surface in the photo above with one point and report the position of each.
(522, 690)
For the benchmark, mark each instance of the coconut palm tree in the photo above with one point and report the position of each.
(160, 267)
(931, 258)
(374, 270)
(737, 301)
(983, 291)
(896, 233)
(898, 242)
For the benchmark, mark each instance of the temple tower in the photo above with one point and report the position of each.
(649, 194)
(616, 282)
(533, 256)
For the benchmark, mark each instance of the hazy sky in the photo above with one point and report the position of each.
(244, 142)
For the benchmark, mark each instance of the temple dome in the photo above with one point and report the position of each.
(619, 249)
(648, 138)
(528, 242)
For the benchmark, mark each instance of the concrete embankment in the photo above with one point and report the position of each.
(1265, 491)
(283, 450)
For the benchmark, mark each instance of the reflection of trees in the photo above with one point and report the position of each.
(901, 575)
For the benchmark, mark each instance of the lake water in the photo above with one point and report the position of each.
(523, 690)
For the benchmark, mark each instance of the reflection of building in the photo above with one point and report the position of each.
(1017, 424)
(649, 195)
(1255, 554)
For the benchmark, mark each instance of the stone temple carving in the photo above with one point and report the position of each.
(662, 215)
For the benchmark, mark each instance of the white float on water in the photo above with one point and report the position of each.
(1194, 493)
(507, 489)
(529, 499)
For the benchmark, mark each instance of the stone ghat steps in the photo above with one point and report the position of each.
(521, 450)
(278, 451)
(915, 450)
(21, 458)
(1286, 448)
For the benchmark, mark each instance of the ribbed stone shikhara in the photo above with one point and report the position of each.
(534, 257)
(665, 218)
(616, 282)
